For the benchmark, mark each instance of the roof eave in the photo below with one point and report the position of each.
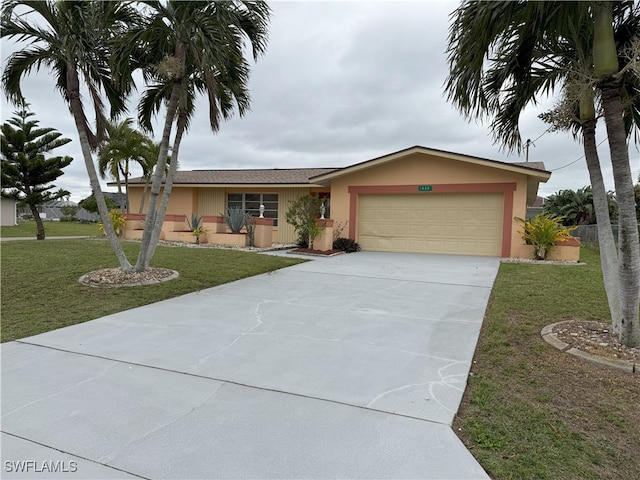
(541, 175)
(241, 185)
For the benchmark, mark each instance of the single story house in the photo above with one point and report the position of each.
(414, 200)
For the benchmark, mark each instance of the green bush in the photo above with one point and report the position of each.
(90, 204)
(303, 214)
(117, 220)
(347, 245)
(69, 213)
(543, 232)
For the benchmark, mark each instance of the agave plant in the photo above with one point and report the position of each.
(235, 219)
(196, 227)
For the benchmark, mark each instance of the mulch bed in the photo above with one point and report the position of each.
(116, 277)
(595, 338)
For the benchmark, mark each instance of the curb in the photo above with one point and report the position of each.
(553, 340)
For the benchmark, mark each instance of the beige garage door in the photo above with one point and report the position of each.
(467, 224)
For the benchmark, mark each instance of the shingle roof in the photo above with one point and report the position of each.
(292, 176)
(533, 165)
(276, 176)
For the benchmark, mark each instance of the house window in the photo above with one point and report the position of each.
(250, 202)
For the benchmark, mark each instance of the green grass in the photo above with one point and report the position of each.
(51, 229)
(40, 289)
(529, 410)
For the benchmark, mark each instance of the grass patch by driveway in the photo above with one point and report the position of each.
(51, 229)
(40, 289)
(529, 410)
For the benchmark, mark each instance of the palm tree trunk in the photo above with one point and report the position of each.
(153, 221)
(144, 194)
(126, 185)
(152, 218)
(628, 241)
(605, 61)
(39, 224)
(173, 166)
(606, 241)
(73, 91)
(119, 185)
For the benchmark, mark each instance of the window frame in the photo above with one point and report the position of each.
(269, 211)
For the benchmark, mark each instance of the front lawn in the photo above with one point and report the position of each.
(529, 410)
(51, 229)
(40, 289)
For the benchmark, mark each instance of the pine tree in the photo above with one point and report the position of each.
(26, 172)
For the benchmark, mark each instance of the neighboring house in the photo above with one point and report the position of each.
(536, 207)
(415, 200)
(8, 215)
(120, 199)
(53, 211)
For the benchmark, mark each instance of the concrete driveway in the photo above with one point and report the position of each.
(345, 367)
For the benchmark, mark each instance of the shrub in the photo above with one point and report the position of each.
(543, 232)
(117, 220)
(303, 240)
(196, 227)
(303, 214)
(346, 245)
(235, 219)
(91, 206)
(250, 225)
(69, 213)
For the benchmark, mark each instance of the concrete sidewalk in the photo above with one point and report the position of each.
(13, 239)
(345, 367)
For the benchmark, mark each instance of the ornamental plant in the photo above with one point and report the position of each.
(250, 225)
(196, 227)
(544, 231)
(235, 219)
(303, 214)
(347, 245)
(117, 220)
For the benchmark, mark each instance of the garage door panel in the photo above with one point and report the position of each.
(434, 223)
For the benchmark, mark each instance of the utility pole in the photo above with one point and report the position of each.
(526, 148)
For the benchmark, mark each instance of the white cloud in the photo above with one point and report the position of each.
(341, 82)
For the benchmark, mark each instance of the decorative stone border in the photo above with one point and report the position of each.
(84, 279)
(540, 262)
(312, 254)
(553, 340)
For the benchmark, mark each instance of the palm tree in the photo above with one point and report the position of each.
(577, 206)
(610, 81)
(197, 47)
(151, 153)
(577, 112)
(73, 41)
(503, 54)
(124, 145)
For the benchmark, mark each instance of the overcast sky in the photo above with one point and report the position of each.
(341, 83)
